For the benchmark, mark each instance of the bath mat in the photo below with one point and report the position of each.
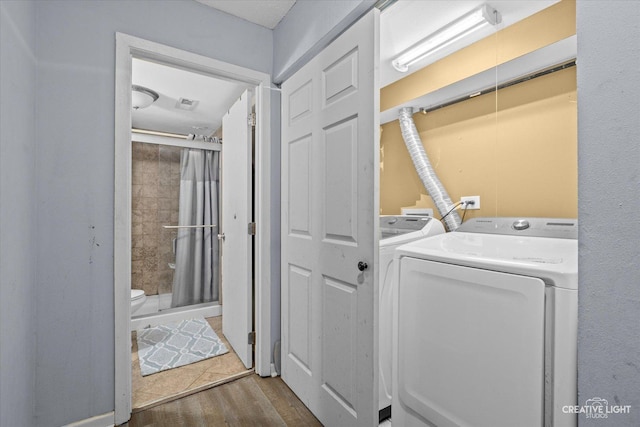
(177, 344)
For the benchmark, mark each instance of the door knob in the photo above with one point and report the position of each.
(221, 236)
(362, 266)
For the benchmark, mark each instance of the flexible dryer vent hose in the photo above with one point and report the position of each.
(423, 166)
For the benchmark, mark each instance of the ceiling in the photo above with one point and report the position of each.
(214, 97)
(401, 25)
(267, 13)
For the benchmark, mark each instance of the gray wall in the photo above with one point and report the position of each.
(609, 206)
(17, 213)
(75, 137)
(307, 28)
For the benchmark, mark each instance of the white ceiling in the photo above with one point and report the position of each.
(215, 96)
(401, 25)
(262, 12)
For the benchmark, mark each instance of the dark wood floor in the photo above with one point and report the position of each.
(249, 401)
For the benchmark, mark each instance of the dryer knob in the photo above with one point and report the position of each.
(521, 224)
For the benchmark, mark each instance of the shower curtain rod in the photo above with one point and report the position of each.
(190, 137)
(157, 133)
(190, 226)
(174, 141)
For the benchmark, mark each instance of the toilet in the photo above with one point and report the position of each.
(137, 299)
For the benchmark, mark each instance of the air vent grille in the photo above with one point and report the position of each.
(187, 104)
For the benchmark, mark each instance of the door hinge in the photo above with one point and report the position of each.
(251, 338)
(251, 120)
(251, 229)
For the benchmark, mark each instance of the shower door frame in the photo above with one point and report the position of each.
(128, 47)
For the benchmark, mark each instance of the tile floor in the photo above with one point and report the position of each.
(168, 385)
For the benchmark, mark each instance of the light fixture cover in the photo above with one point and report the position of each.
(450, 33)
(142, 97)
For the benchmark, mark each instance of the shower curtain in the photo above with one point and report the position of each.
(196, 276)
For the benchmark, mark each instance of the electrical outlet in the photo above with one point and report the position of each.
(474, 199)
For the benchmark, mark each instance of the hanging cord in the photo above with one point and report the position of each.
(466, 205)
(453, 209)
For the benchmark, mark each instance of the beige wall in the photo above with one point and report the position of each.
(542, 29)
(520, 160)
(515, 148)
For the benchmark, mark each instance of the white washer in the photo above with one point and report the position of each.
(395, 231)
(486, 326)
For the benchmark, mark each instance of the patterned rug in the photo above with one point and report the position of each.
(177, 344)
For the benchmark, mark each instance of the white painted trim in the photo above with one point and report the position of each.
(104, 420)
(122, 231)
(262, 241)
(126, 48)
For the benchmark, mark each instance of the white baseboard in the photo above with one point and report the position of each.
(104, 420)
(274, 372)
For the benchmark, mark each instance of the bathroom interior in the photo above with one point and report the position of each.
(497, 118)
(171, 281)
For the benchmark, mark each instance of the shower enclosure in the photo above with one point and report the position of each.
(175, 254)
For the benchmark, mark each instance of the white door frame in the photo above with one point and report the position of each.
(128, 47)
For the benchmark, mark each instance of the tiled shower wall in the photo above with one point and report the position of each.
(155, 194)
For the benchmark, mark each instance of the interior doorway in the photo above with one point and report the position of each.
(127, 49)
(176, 262)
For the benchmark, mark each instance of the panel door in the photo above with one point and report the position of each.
(237, 259)
(330, 162)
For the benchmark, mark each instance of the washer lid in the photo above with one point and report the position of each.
(553, 260)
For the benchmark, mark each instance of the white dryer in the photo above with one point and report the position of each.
(394, 231)
(486, 325)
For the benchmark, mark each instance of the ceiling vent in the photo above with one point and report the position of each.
(187, 104)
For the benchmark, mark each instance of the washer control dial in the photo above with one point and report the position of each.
(521, 224)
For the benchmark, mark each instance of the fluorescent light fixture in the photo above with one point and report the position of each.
(450, 33)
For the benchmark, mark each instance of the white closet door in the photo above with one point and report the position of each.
(237, 259)
(330, 162)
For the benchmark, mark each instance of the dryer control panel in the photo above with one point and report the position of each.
(394, 225)
(558, 228)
